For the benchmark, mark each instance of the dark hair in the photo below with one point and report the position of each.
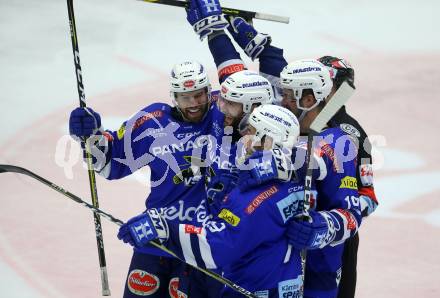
(340, 70)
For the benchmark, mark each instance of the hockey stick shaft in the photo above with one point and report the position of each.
(20, 170)
(91, 173)
(248, 15)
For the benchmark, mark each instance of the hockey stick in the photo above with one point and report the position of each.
(219, 278)
(248, 15)
(92, 179)
(338, 99)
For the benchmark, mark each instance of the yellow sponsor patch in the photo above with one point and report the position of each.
(121, 131)
(229, 217)
(349, 182)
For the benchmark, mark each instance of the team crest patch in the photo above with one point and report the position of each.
(142, 283)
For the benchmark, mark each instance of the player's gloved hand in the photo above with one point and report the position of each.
(219, 186)
(314, 232)
(265, 166)
(141, 229)
(205, 16)
(84, 122)
(251, 41)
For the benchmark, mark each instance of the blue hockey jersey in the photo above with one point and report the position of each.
(176, 152)
(246, 240)
(336, 184)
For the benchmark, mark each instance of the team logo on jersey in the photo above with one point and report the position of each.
(350, 129)
(290, 288)
(142, 283)
(366, 174)
(349, 183)
(173, 289)
(229, 217)
(192, 171)
(259, 199)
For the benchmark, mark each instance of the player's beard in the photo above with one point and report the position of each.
(195, 113)
(233, 121)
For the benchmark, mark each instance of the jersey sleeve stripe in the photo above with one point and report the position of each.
(205, 251)
(185, 242)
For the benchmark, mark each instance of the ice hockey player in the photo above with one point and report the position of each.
(246, 238)
(340, 71)
(162, 137)
(255, 44)
(271, 64)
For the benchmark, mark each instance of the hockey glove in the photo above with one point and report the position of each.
(316, 232)
(219, 186)
(265, 166)
(205, 16)
(84, 122)
(141, 229)
(251, 41)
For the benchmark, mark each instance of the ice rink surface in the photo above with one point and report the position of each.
(47, 242)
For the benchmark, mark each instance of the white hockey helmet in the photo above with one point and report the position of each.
(307, 74)
(247, 87)
(276, 122)
(188, 76)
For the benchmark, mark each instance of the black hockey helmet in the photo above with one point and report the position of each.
(340, 70)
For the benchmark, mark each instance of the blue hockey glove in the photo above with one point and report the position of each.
(251, 41)
(84, 122)
(141, 229)
(219, 186)
(205, 16)
(316, 232)
(265, 166)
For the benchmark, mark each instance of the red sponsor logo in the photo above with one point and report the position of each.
(258, 200)
(173, 289)
(146, 117)
(190, 229)
(230, 69)
(142, 283)
(189, 83)
(366, 171)
(351, 221)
